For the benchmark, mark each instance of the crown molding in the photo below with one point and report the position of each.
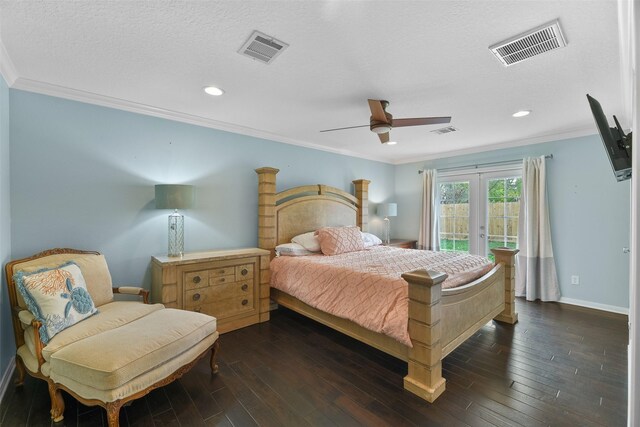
(7, 69)
(576, 133)
(148, 110)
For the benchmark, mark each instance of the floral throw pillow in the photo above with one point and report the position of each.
(57, 297)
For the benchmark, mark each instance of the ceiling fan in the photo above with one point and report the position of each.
(382, 122)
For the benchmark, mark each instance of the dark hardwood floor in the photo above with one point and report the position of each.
(558, 366)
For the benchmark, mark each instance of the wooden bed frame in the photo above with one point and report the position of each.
(439, 320)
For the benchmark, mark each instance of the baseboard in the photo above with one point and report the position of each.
(6, 377)
(595, 305)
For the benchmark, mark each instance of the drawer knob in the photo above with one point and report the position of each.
(245, 287)
(196, 297)
(245, 302)
(196, 279)
(244, 271)
(222, 279)
(221, 271)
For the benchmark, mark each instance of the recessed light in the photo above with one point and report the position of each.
(521, 113)
(213, 91)
(392, 143)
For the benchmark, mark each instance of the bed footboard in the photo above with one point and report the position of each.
(440, 321)
(424, 376)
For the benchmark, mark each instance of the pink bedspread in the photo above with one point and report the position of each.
(365, 286)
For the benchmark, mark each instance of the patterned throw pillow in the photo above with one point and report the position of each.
(57, 297)
(338, 240)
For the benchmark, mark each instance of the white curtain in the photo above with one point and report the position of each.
(536, 276)
(428, 237)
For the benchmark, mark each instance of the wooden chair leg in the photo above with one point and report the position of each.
(57, 403)
(214, 351)
(113, 413)
(21, 372)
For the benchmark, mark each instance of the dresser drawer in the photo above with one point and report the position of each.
(226, 307)
(211, 294)
(221, 271)
(220, 280)
(196, 279)
(244, 271)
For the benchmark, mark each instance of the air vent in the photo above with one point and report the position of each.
(262, 47)
(442, 131)
(532, 43)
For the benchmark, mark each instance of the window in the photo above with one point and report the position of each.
(479, 211)
(454, 216)
(503, 207)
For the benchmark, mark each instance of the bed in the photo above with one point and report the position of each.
(438, 319)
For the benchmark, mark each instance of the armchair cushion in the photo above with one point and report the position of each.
(111, 316)
(57, 297)
(94, 269)
(131, 350)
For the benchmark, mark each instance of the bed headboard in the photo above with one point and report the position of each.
(297, 210)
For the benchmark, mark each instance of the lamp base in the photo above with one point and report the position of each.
(176, 234)
(387, 231)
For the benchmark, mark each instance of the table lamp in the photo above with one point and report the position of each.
(386, 210)
(174, 196)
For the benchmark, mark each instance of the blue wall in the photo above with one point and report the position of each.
(82, 176)
(589, 214)
(7, 347)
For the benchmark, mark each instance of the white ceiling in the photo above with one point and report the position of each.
(428, 58)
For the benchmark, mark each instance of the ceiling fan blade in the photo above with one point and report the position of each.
(419, 121)
(350, 127)
(384, 137)
(377, 112)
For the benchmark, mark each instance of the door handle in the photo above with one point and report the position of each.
(482, 235)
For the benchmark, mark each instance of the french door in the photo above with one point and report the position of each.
(479, 211)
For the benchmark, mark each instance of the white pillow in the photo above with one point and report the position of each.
(370, 240)
(308, 241)
(292, 249)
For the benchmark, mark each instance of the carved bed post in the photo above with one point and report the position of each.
(267, 208)
(362, 194)
(507, 257)
(425, 358)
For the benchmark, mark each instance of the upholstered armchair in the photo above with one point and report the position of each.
(101, 351)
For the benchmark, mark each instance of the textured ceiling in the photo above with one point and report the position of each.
(428, 58)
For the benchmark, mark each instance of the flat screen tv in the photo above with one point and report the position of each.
(616, 143)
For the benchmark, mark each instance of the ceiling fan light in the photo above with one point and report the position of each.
(381, 128)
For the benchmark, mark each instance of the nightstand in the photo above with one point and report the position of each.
(402, 243)
(231, 285)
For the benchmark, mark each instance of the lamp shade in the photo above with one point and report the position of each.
(388, 209)
(174, 196)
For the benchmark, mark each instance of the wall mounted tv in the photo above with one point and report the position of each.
(616, 143)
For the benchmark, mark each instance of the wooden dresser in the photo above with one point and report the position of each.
(231, 285)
